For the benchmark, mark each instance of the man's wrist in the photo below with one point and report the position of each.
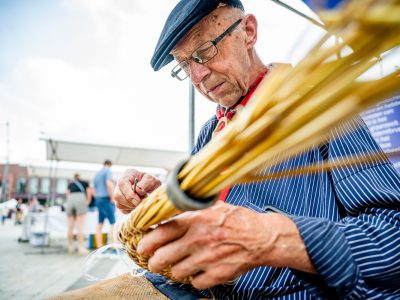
(288, 249)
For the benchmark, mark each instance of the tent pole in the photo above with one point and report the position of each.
(315, 22)
(191, 116)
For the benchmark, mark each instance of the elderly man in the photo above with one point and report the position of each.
(332, 234)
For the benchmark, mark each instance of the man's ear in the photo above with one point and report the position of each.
(250, 27)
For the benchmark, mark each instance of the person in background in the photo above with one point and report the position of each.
(78, 195)
(19, 208)
(3, 214)
(34, 205)
(103, 193)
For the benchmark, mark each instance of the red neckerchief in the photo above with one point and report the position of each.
(230, 112)
(223, 112)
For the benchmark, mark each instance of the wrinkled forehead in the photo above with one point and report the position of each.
(207, 29)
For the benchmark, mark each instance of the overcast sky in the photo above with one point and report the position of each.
(79, 70)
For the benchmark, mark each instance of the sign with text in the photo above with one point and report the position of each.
(383, 121)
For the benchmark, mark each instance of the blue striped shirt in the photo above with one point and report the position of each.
(349, 219)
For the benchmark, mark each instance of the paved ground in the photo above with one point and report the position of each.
(28, 272)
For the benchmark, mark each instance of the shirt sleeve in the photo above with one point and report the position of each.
(108, 175)
(362, 250)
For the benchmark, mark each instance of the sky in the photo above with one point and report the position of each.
(79, 70)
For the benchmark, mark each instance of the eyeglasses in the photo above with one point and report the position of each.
(201, 55)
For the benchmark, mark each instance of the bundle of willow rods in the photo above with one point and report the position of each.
(291, 111)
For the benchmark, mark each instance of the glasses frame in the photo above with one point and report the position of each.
(177, 69)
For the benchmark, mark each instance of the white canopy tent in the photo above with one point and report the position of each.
(95, 153)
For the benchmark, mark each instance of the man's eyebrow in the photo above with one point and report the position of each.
(197, 37)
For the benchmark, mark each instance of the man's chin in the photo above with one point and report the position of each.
(223, 101)
(226, 103)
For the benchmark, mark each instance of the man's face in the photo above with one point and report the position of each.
(225, 78)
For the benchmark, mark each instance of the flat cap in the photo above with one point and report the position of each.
(182, 18)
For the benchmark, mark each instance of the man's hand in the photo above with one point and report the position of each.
(125, 197)
(219, 243)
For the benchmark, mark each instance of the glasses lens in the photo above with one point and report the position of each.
(204, 53)
(180, 71)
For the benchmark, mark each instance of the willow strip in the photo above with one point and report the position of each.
(314, 168)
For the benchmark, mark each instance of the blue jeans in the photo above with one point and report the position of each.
(106, 209)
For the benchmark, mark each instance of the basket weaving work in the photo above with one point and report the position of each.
(291, 111)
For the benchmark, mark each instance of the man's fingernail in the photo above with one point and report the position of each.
(139, 249)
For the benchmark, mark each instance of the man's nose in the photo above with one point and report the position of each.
(198, 72)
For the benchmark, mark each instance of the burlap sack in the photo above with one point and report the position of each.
(121, 287)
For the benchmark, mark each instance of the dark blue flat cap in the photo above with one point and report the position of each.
(183, 17)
